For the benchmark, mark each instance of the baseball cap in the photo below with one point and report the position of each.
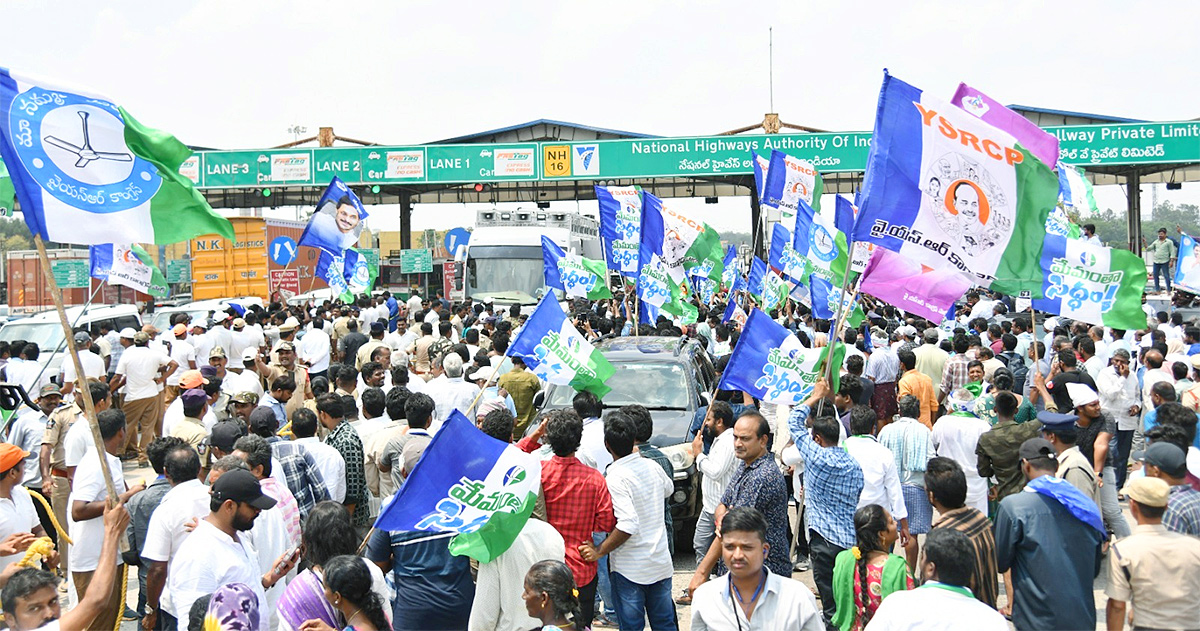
(11, 456)
(1037, 448)
(239, 324)
(1081, 394)
(377, 326)
(192, 379)
(82, 337)
(179, 329)
(285, 346)
(225, 434)
(141, 337)
(249, 354)
(245, 397)
(1170, 458)
(128, 333)
(263, 419)
(1148, 491)
(200, 324)
(240, 485)
(483, 373)
(50, 389)
(290, 324)
(208, 371)
(216, 351)
(193, 396)
(220, 316)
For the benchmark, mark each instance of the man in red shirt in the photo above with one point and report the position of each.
(577, 501)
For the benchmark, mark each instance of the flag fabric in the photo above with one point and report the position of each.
(87, 172)
(655, 285)
(845, 214)
(790, 181)
(761, 166)
(1058, 223)
(821, 243)
(686, 246)
(918, 289)
(1075, 190)
(1187, 265)
(338, 222)
(1042, 144)
(734, 312)
(621, 226)
(772, 365)
(783, 256)
(945, 189)
(1092, 283)
(757, 277)
(572, 274)
(731, 273)
(775, 291)
(129, 266)
(348, 274)
(827, 299)
(705, 288)
(7, 195)
(556, 352)
(470, 484)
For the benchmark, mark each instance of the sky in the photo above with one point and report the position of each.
(234, 74)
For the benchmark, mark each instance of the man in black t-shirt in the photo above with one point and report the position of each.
(1065, 370)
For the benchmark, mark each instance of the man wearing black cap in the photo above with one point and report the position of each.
(224, 434)
(217, 552)
(1073, 466)
(1050, 537)
(1168, 462)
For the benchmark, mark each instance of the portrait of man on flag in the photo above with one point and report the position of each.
(338, 222)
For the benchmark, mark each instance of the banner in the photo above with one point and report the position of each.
(946, 189)
(1092, 283)
(621, 226)
(572, 274)
(791, 181)
(348, 274)
(467, 483)
(338, 221)
(129, 266)
(1187, 265)
(655, 285)
(1058, 223)
(86, 172)
(917, 289)
(686, 246)
(557, 353)
(784, 258)
(773, 366)
(1075, 191)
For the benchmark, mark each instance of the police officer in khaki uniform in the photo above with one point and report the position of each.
(191, 429)
(1156, 570)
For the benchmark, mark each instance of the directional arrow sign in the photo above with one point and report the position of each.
(283, 250)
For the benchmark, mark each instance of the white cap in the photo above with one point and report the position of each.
(1081, 394)
(484, 373)
(249, 354)
(220, 316)
(290, 324)
(1050, 324)
(198, 323)
(128, 333)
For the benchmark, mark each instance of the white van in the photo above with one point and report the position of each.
(45, 329)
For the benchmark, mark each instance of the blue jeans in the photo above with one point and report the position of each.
(1162, 268)
(603, 585)
(636, 603)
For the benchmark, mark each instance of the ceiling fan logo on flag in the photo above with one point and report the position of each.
(822, 243)
(74, 147)
(1087, 259)
(515, 475)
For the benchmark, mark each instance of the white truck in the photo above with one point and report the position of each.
(504, 255)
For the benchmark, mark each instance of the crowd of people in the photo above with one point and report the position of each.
(950, 474)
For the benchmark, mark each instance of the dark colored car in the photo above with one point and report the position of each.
(672, 377)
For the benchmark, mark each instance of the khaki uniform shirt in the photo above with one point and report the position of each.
(192, 432)
(364, 353)
(1074, 467)
(300, 375)
(1158, 572)
(60, 421)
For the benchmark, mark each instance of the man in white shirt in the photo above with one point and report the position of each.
(330, 461)
(716, 468)
(452, 393)
(142, 370)
(17, 514)
(955, 437)
(93, 365)
(639, 563)
(881, 482)
(218, 553)
(185, 502)
(498, 604)
(202, 343)
(414, 305)
(85, 520)
(592, 451)
(1119, 398)
(314, 350)
(943, 602)
(750, 596)
(184, 354)
(1155, 372)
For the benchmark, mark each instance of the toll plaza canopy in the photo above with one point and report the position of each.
(548, 160)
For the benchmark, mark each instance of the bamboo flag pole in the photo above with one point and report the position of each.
(88, 406)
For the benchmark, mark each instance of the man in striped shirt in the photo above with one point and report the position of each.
(946, 484)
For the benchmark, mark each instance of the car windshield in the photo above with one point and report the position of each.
(651, 384)
(505, 269)
(162, 319)
(47, 335)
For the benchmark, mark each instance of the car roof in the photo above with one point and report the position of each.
(94, 312)
(644, 347)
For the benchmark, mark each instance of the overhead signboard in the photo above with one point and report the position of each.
(416, 262)
(697, 156)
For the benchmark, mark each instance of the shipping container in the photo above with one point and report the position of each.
(221, 269)
(28, 291)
